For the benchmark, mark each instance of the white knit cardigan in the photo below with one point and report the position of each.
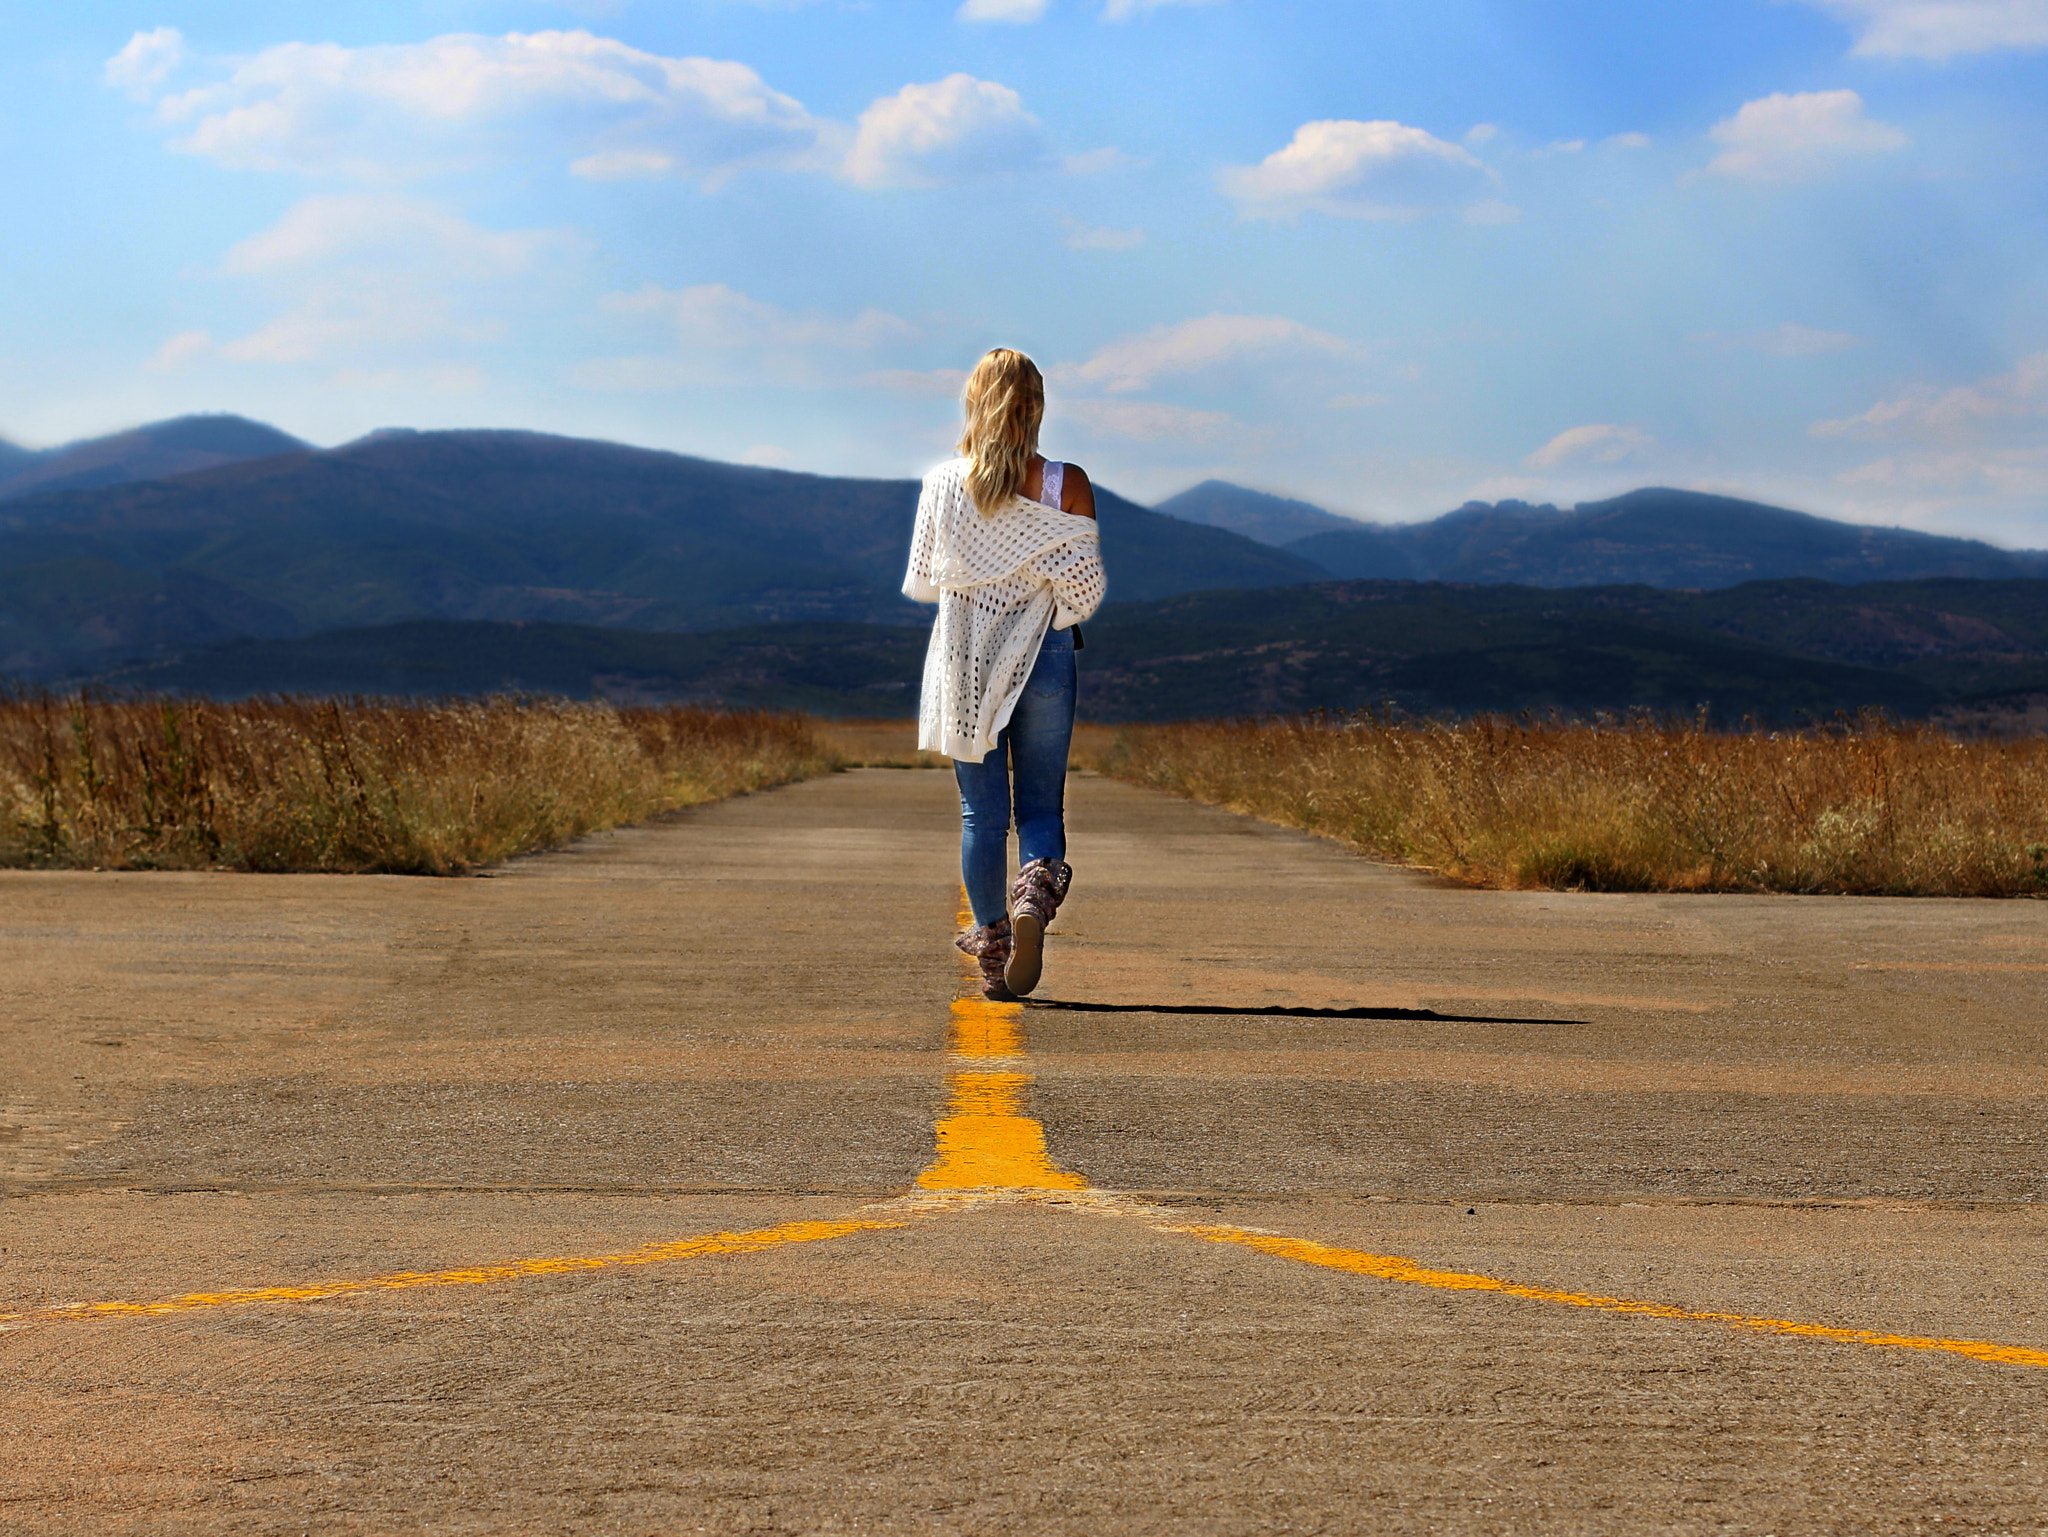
(1000, 581)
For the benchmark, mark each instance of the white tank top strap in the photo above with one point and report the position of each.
(1055, 481)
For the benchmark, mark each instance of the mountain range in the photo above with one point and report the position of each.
(1655, 536)
(142, 453)
(218, 553)
(509, 526)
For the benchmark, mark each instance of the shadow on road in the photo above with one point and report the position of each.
(1278, 1011)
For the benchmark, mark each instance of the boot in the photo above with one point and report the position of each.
(991, 947)
(1041, 887)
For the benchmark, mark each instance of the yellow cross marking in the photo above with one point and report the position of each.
(990, 1151)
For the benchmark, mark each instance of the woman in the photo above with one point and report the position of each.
(1005, 545)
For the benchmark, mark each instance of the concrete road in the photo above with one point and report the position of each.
(666, 1184)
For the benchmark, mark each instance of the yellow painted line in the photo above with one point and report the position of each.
(752, 1242)
(985, 1140)
(1389, 1267)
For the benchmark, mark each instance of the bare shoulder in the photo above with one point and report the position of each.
(1077, 492)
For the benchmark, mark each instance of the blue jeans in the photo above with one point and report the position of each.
(1035, 742)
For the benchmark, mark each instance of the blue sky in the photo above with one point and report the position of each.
(1382, 256)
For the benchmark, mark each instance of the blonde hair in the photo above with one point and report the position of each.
(1005, 403)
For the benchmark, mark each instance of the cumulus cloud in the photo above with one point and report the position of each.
(1136, 362)
(925, 135)
(1947, 415)
(1377, 170)
(1797, 137)
(1002, 10)
(1595, 443)
(393, 111)
(1788, 340)
(141, 67)
(1941, 29)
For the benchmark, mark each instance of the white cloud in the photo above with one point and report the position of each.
(1482, 133)
(1962, 412)
(1378, 170)
(1942, 29)
(180, 350)
(953, 128)
(386, 275)
(387, 229)
(1083, 237)
(772, 456)
(1151, 421)
(719, 316)
(1126, 10)
(1795, 137)
(403, 110)
(1627, 141)
(147, 60)
(1595, 443)
(1564, 146)
(1136, 362)
(1002, 10)
(1788, 340)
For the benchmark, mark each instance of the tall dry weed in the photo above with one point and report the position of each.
(1870, 807)
(360, 785)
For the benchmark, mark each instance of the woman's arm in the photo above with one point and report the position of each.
(1076, 494)
(918, 585)
(1073, 569)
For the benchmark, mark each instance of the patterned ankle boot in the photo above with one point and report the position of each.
(991, 947)
(1041, 887)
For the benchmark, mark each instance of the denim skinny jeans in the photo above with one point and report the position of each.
(1035, 744)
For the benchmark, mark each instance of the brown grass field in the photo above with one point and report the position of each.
(361, 785)
(443, 787)
(1870, 807)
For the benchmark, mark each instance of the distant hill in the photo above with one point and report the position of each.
(173, 447)
(1777, 650)
(507, 526)
(829, 669)
(1274, 520)
(1658, 537)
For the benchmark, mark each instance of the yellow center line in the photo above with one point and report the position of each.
(1389, 1267)
(752, 1242)
(985, 1140)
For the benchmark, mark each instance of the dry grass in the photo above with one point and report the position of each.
(1872, 807)
(361, 785)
